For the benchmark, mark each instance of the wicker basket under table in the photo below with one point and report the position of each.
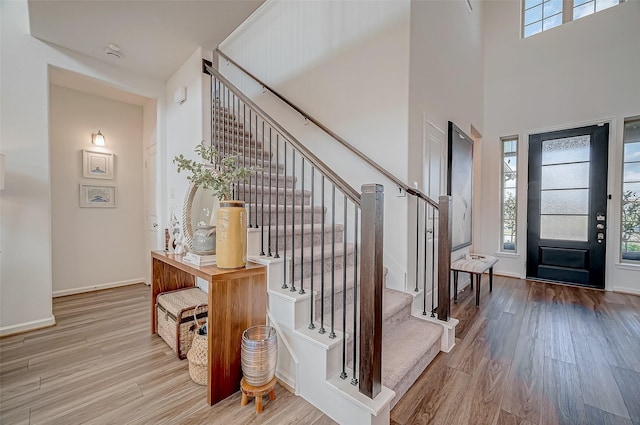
(175, 317)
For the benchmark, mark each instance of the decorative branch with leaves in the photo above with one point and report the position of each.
(217, 174)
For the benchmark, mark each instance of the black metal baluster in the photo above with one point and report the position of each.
(424, 254)
(261, 168)
(270, 253)
(214, 111)
(417, 240)
(293, 222)
(332, 334)
(302, 291)
(242, 137)
(225, 125)
(313, 242)
(236, 134)
(262, 200)
(277, 198)
(354, 379)
(284, 230)
(344, 375)
(433, 262)
(322, 330)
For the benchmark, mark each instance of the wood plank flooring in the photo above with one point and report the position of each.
(534, 354)
(100, 365)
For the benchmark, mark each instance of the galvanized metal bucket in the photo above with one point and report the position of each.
(259, 355)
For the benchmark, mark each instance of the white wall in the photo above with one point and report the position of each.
(582, 72)
(187, 124)
(87, 242)
(346, 64)
(445, 84)
(25, 206)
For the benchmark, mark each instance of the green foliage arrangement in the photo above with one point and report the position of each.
(220, 179)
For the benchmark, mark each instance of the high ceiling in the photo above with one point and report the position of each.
(155, 37)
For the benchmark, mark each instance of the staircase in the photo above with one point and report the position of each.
(306, 230)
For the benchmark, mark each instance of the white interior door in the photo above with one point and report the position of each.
(434, 158)
(153, 236)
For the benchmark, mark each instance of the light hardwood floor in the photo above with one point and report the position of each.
(533, 354)
(101, 365)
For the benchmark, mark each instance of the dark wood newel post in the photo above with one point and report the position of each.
(371, 287)
(444, 258)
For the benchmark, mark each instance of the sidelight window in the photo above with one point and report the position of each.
(631, 192)
(509, 193)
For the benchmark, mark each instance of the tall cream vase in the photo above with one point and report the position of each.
(231, 235)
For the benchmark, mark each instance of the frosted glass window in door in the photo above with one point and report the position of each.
(569, 149)
(564, 227)
(564, 194)
(565, 176)
(574, 201)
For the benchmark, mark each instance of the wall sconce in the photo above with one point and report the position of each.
(1, 171)
(97, 139)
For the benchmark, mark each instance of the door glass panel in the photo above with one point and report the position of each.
(605, 4)
(565, 176)
(632, 152)
(533, 14)
(569, 149)
(632, 172)
(631, 190)
(552, 22)
(564, 201)
(551, 7)
(584, 10)
(534, 28)
(564, 227)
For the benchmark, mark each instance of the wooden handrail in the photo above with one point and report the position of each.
(323, 168)
(399, 183)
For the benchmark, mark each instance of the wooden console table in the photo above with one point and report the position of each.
(237, 301)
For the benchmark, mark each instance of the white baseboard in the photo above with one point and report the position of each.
(626, 290)
(73, 291)
(27, 326)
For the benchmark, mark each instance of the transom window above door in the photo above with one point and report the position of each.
(542, 15)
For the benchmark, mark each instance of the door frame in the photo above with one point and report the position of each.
(614, 186)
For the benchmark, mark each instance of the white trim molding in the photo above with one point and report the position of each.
(98, 287)
(27, 326)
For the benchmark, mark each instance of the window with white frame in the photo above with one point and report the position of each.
(630, 247)
(541, 15)
(509, 205)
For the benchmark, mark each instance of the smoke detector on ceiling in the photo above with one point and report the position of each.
(113, 50)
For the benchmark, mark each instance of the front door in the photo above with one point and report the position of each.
(567, 206)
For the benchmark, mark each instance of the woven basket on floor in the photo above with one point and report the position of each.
(197, 357)
(177, 314)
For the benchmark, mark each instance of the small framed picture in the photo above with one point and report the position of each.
(97, 165)
(97, 196)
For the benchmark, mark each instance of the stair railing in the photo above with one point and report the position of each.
(433, 223)
(353, 230)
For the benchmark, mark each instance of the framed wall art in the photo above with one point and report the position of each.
(97, 196)
(97, 165)
(460, 186)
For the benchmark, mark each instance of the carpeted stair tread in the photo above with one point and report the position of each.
(393, 304)
(303, 235)
(306, 251)
(317, 282)
(266, 165)
(405, 348)
(306, 228)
